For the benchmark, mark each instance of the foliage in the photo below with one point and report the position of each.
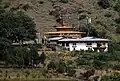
(42, 58)
(118, 25)
(89, 73)
(52, 65)
(116, 67)
(70, 70)
(118, 29)
(112, 77)
(117, 6)
(84, 60)
(104, 3)
(108, 15)
(32, 56)
(113, 46)
(65, 1)
(117, 20)
(22, 56)
(17, 27)
(4, 45)
(93, 32)
(98, 60)
(14, 56)
(62, 67)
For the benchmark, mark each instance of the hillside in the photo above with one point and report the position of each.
(103, 20)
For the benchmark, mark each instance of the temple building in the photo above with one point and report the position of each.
(74, 41)
(85, 44)
(64, 31)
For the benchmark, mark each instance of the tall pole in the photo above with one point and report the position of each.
(79, 22)
(88, 25)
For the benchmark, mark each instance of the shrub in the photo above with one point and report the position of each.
(41, 2)
(83, 61)
(52, 65)
(117, 6)
(42, 58)
(104, 3)
(88, 73)
(118, 29)
(65, 1)
(82, 17)
(71, 72)
(97, 60)
(62, 67)
(99, 64)
(112, 77)
(6, 5)
(108, 15)
(69, 62)
(116, 67)
(117, 20)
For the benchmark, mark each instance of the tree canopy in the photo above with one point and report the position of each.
(17, 27)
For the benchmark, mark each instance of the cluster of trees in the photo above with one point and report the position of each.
(101, 60)
(61, 67)
(115, 5)
(16, 26)
(117, 8)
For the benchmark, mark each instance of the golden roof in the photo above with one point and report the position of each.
(64, 27)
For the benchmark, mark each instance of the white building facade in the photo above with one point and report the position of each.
(85, 44)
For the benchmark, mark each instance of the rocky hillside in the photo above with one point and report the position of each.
(48, 13)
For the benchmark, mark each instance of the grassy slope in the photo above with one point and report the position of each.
(45, 22)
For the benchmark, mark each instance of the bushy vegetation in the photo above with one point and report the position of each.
(117, 6)
(21, 56)
(62, 67)
(104, 3)
(59, 66)
(65, 1)
(112, 77)
(99, 60)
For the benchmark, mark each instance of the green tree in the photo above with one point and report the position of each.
(15, 56)
(4, 46)
(17, 27)
(22, 56)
